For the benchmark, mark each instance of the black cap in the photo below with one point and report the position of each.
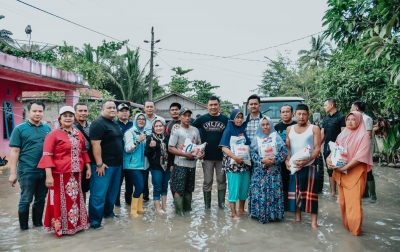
(122, 106)
(184, 110)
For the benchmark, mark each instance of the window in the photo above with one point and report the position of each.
(8, 119)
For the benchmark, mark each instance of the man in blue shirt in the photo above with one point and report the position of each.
(26, 150)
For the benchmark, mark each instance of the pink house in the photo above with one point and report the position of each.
(18, 75)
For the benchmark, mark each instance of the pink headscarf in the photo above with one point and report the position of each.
(357, 142)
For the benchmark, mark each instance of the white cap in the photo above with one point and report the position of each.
(66, 109)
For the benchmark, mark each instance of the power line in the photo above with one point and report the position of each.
(77, 24)
(18, 11)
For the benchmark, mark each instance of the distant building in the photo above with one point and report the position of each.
(162, 104)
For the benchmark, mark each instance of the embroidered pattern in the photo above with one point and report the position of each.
(72, 188)
(73, 214)
(51, 197)
(45, 153)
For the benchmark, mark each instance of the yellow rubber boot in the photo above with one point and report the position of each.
(140, 205)
(134, 205)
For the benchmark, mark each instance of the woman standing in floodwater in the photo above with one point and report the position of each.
(356, 141)
(238, 174)
(266, 190)
(64, 155)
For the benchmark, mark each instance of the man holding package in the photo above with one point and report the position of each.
(184, 171)
(303, 186)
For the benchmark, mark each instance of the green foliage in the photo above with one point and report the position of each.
(351, 76)
(5, 34)
(94, 106)
(391, 144)
(202, 90)
(180, 84)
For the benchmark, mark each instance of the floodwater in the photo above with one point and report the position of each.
(213, 230)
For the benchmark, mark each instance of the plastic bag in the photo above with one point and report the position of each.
(339, 155)
(267, 146)
(303, 154)
(239, 149)
(196, 150)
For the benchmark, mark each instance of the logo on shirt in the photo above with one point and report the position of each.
(214, 126)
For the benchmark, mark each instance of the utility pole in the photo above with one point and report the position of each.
(151, 63)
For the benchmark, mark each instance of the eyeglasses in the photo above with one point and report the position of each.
(141, 119)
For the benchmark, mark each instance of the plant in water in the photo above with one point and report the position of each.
(391, 144)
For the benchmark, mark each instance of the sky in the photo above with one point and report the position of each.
(189, 30)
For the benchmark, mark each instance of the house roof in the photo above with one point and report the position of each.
(94, 94)
(182, 96)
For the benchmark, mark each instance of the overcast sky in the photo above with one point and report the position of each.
(214, 27)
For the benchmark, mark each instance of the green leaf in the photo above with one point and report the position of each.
(389, 26)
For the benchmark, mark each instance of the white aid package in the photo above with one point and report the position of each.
(239, 149)
(339, 155)
(267, 146)
(196, 150)
(303, 154)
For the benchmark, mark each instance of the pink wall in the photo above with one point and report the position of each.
(17, 110)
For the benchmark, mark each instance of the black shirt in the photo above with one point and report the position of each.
(153, 154)
(168, 129)
(110, 134)
(124, 127)
(212, 128)
(332, 125)
(281, 129)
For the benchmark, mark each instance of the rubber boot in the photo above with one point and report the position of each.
(207, 200)
(164, 203)
(221, 199)
(23, 220)
(179, 205)
(37, 214)
(140, 205)
(134, 204)
(372, 193)
(187, 202)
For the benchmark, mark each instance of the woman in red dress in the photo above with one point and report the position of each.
(64, 155)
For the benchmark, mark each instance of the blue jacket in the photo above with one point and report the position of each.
(134, 158)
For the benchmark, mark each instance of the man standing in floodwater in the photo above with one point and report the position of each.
(253, 118)
(212, 126)
(26, 144)
(286, 112)
(333, 124)
(303, 186)
(107, 143)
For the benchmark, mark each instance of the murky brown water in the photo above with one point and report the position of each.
(214, 230)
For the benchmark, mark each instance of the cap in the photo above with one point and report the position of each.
(66, 109)
(184, 110)
(122, 106)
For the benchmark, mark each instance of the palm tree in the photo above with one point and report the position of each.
(318, 55)
(5, 34)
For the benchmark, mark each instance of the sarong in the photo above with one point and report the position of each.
(65, 210)
(303, 190)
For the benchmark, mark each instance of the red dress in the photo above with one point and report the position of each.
(66, 154)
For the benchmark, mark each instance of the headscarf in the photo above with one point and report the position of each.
(357, 142)
(136, 125)
(233, 130)
(260, 134)
(163, 146)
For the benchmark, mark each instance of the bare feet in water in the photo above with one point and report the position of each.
(235, 217)
(241, 212)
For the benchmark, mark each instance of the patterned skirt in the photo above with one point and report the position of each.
(266, 194)
(65, 210)
(303, 190)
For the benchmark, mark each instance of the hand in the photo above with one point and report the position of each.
(238, 160)
(188, 155)
(102, 170)
(287, 163)
(203, 153)
(142, 137)
(268, 161)
(301, 163)
(88, 173)
(12, 179)
(49, 181)
(152, 143)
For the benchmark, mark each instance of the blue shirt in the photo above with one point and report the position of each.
(29, 139)
(124, 127)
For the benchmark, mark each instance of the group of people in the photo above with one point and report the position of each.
(79, 156)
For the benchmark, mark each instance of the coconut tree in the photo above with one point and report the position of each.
(5, 34)
(317, 55)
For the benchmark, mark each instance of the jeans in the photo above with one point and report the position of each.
(103, 193)
(33, 184)
(159, 179)
(137, 177)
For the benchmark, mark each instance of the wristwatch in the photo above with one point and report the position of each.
(99, 165)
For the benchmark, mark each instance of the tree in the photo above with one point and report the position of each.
(351, 76)
(5, 34)
(179, 83)
(202, 90)
(318, 54)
